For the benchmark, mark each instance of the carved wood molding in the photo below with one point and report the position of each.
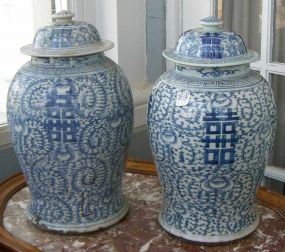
(8, 242)
(9, 187)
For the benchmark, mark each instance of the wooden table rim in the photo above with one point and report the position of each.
(9, 187)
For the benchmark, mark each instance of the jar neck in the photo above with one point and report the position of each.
(67, 61)
(213, 72)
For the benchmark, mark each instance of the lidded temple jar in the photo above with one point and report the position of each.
(211, 124)
(70, 116)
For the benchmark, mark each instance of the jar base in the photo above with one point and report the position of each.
(80, 228)
(209, 238)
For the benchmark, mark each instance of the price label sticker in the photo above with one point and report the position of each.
(182, 98)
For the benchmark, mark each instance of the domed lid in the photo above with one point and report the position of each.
(210, 46)
(66, 38)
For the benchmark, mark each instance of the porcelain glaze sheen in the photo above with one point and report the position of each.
(70, 120)
(211, 129)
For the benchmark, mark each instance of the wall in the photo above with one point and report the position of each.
(193, 12)
(105, 13)
(155, 39)
(131, 39)
(131, 23)
(8, 163)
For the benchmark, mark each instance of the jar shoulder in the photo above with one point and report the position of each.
(178, 80)
(67, 66)
(106, 90)
(170, 100)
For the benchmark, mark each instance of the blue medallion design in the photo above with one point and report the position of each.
(211, 46)
(61, 123)
(221, 139)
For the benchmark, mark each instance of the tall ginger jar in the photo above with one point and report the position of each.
(211, 124)
(70, 116)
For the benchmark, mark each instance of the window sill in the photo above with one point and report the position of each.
(141, 94)
(5, 141)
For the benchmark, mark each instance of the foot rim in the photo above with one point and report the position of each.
(80, 228)
(208, 238)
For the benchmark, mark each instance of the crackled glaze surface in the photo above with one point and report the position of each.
(70, 133)
(140, 230)
(211, 129)
(210, 153)
(70, 120)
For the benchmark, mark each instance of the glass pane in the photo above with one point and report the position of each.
(58, 5)
(278, 53)
(220, 8)
(18, 20)
(277, 155)
(243, 17)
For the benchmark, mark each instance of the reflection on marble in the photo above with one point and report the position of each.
(140, 230)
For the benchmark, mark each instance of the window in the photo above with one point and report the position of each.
(243, 17)
(262, 25)
(18, 21)
(17, 29)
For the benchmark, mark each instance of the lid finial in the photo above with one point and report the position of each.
(211, 23)
(63, 16)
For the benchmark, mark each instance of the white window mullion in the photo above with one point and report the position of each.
(78, 7)
(24, 17)
(174, 24)
(276, 68)
(60, 5)
(266, 28)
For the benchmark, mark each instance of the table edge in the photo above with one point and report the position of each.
(10, 186)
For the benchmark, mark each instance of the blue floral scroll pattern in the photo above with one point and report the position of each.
(66, 36)
(71, 133)
(215, 72)
(210, 199)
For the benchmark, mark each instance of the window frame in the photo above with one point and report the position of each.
(265, 66)
(5, 141)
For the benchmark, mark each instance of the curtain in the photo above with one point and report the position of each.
(278, 83)
(277, 155)
(278, 53)
(244, 17)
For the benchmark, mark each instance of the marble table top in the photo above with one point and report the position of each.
(139, 230)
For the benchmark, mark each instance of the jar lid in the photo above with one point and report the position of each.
(210, 46)
(66, 38)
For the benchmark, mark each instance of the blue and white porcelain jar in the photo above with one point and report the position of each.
(70, 116)
(211, 123)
